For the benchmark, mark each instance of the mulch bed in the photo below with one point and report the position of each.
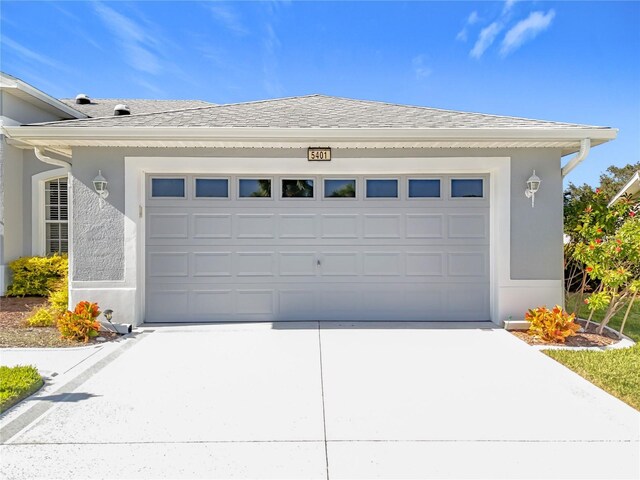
(14, 332)
(588, 338)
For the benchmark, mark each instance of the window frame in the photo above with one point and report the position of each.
(256, 178)
(427, 199)
(288, 199)
(484, 189)
(38, 209)
(195, 196)
(344, 178)
(167, 177)
(365, 195)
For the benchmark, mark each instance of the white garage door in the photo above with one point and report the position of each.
(266, 248)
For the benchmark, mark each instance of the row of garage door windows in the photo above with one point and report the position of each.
(165, 187)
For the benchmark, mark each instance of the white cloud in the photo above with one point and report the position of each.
(485, 39)
(420, 68)
(508, 5)
(472, 19)
(135, 40)
(26, 53)
(229, 18)
(526, 30)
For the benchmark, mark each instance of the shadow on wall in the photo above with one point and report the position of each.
(98, 237)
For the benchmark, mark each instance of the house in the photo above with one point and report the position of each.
(302, 208)
(631, 188)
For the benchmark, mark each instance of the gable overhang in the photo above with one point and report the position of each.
(64, 139)
(631, 188)
(38, 98)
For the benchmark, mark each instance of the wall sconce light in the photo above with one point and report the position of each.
(533, 185)
(100, 185)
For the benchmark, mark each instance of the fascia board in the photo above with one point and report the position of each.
(628, 188)
(311, 134)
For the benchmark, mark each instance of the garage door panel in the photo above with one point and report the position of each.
(298, 226)
(209, 303)
(468, 225)
(168, 225)
(210, 225)
(382, 263)
(293, 263)
(297, 304)
(256, 225)
(255, 302)
(425, 264)
(467, 264)
(211, 264)
(424, 225)
(340, 263)
(168, 264)
(382, 225)
(340, 226)
(252, 264)
(167, 305)
(317, 259)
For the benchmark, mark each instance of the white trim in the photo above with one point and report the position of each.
(634, 179)
(247, 134)
(38, 181)
(498, 168)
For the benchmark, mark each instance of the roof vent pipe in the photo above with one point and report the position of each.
(82, 99)
(121, 109)
(39, 152)
(585, 146)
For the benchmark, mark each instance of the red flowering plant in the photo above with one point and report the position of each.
(81, 324)
(609, 248)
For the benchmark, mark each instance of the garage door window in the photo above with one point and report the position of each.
(466, 188)
(167, 187)
(255, 188)
(424, 188)
(382, 188)
(212, 188)
(302, 188)
(339, 188)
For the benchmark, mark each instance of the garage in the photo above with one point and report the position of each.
(286, 248)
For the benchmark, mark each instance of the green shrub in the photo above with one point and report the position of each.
(17, 383)
(42, 317)
(81, 324)
(37, 275)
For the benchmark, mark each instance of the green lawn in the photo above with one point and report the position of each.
(17, 383)
(615, 371)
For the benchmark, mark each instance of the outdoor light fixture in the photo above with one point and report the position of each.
(100, 185)
(533, 185)
(108, 314)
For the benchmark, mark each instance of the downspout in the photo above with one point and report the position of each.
(585, 147)
(51, 161)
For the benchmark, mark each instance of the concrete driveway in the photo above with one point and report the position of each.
(325, 400)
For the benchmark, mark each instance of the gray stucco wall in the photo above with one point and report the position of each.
(97, 225)
(98, 233)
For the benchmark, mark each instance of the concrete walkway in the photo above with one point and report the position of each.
(328, 400)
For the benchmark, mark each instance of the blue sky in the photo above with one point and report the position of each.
(566, 61)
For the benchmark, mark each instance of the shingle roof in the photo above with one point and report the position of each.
(314, 111)
(103, 107)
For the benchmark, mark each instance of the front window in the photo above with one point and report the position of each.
(56, 216)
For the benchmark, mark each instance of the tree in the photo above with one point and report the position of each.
(609, 248)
